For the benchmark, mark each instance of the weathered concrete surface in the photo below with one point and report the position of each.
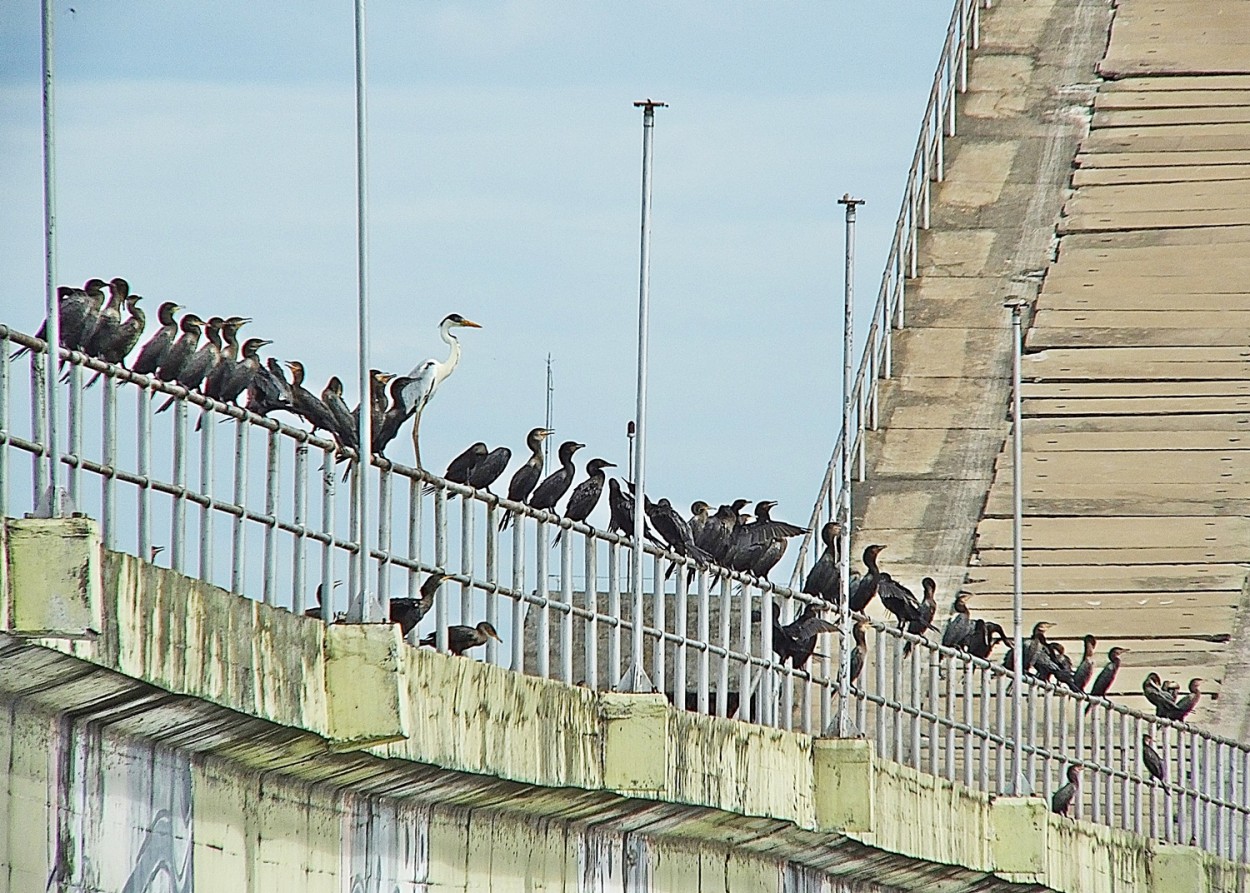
(1136, 415)
(496, 784)
(943, 415)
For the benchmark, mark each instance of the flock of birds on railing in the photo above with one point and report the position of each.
(205, 356)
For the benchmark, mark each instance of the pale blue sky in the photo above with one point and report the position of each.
(205, 153)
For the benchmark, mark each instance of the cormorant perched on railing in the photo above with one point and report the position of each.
(459, 468)
(377, 407)
(673, 529)
(461, 638)
(394, 417)
(796, 640)
(824, 580)
(921, 617)
(1152, 688)
(621, 514)
(424, 379)
(109, 318)
(489, 468)
(407, 612)
(344, 430)
(123, 338)
(960, 626)
(700, 515)
(556, 484)
(758, 546)
(1153, 762)
(214, 382)
(1184, 706)
(181, 350)
(719, 530)
(306, 405)
(1062, 800)
(1034, 646)
(317, 611)
(859, 654)
(863, 590)
(1085, 669)
(76, 312)
(242, 375)
(981, 643)
(1103, 683)
(525, 477)
(153, 353)
(201, 363)
(269, 390)
(586, 495)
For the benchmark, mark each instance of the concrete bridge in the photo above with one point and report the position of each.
(166, 733)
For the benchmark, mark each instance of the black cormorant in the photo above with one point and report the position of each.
(556, 484)
(1103, 683)
(306, 405)
(489, 468)
(1153, 762)
(586, 495)
(960, 626)
(824, 580)
(922, 616)
(459, 469)
(621, 513)
(461, 638)
(344, 430)
(394, 417)
(525, 477)
(153, 353)
(201, 363)
(109, 318)
(407, 612)
(862, 591)
(181, 350)
(1085, 669)
(1063, 797)
(859, 654)
(982, 641)
(1185, 706)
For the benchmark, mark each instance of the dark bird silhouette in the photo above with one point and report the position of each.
(621, 514)
(1034, 646)
(229, 358)
(181, 351)
(377, 406)
(960, 626)
(459, 469)
(556, 484)
(755, 544)
(700, 515)
(1185, 706)
(1151, 759)
(201, 363)
(1085, 669)
(897, 599)
(344, 430)
(153, 353)
(719, 530)
(76, 315)
(1054, 663)
(985, 635)
(306, 405)
(586, 495)
(862, 592)
(824, 580)
(922, 617)
(796, 641)
(525, 477)
(394, 417)
(859, 654)
(269, 391)
(1152, 688)
(1062, 800)
(673, 529)
(407, 612)
(109, 319)
(242, 375)
(122, 339)
(317, 611)
(461, 638)
(489, 468)
(1103, 683)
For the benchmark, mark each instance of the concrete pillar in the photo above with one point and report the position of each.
(635, 742)
(1178, 869)
(844, 781)
(50, 585)
(1021, 839)
(366, 688)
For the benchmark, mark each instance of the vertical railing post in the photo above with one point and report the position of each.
(52, 330)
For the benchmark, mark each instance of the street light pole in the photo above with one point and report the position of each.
(363, 607)
(1020, 786)
(639, 681)
(52, 328)
(844, 500)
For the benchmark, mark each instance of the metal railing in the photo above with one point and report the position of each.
(928, 166)
(267, 515)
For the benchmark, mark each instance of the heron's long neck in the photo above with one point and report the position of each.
(453, 356)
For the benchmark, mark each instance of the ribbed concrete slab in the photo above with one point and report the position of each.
(1198, 173)
(1140, 441)
(1223, 387)
(1175, 37)
(1134, 406)
(1173, 83)
(1099, 222)
(1043, 337)
(1169, 158)
(1130, 95)
(1113, 578)
(1152, 117)
(1137, 198)
(1137, 532)
(1165, 466)
(1168, 138)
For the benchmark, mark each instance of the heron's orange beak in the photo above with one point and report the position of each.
(472, 325)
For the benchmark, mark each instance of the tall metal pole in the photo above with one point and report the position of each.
(844, 500)
(1019, 785)
(52, 359)
(365, 607)
(550, 394)
(640, 682)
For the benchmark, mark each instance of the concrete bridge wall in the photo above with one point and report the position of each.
(173, 736)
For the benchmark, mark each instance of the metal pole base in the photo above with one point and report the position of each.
(635, 681)
(60, 506)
